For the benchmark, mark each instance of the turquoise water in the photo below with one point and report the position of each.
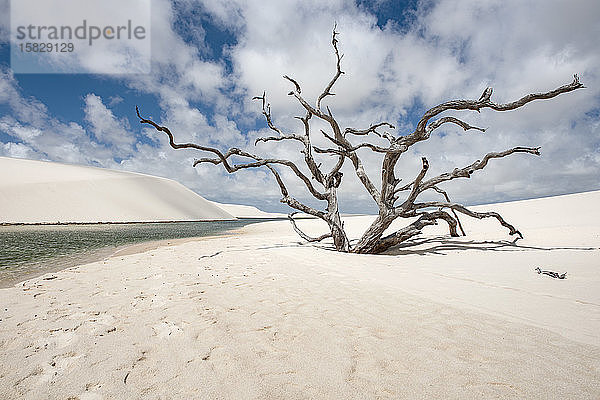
(27, 251)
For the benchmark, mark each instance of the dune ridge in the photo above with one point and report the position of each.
(245, 211)
(47, 192)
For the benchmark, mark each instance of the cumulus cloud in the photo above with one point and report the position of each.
(106, 127)
(35, 134)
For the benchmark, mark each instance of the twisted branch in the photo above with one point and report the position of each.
(223, 158)
(328, 117)
(304, 235)
(484, 102)
(443, 193)
(444, 120)
(414, 229)
(467, 171)
(338, 72)
(462, 209)
(373, 128)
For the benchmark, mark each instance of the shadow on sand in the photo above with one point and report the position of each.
(441, 245)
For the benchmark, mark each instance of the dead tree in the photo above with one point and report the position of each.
(393, 200)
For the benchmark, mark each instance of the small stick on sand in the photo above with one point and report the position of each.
(551, 273)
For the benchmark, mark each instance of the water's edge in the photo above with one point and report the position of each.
(10, 277)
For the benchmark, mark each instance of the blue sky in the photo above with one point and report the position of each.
(209, 58)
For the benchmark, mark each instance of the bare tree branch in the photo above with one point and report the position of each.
(328, 117)
(223, 158)
(266, 111)
(259, 162)
(414, 229)
(356, 162)
(415, 187)
(341, 151)
(335, 173)
(304, 235)
(467, 171)
(418, 186)
(338, 72)
(373, 128)
(452, 222)
(444, 120)
(462, 209)
(308, 157)
(278, 138)
(484, 102)
(181, 145)
(292, 202)
(447, 198)
(295, 83)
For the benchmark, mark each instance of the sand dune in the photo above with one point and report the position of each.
(243, 211)
(44, 192)
(258, 316)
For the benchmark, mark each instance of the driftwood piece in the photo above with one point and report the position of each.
(551, 273)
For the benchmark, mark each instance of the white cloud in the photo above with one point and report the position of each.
(106, 127)
(114, 100)
(36, 134)
(17, 150)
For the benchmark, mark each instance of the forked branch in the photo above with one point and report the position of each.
(266, 111)
(447, 198)
(338, 72)
(414, 229)
(258, 162)
(467, 171)
(373, 129)
(464, 210)
(485, 102)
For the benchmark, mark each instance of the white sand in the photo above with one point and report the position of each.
(257, 316)
(45, 192)
(244, 211)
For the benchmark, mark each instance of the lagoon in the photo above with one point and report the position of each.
(32, 250)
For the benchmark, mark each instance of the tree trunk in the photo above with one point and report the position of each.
(340, 239)
(369, 240)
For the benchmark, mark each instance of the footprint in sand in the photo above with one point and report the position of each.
(65, 360)
(166, 329)
(42, 375)
(101, 323)
(57, 339)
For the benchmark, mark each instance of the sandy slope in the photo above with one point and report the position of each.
(243, 211)
(257, 316)
(44, 192)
